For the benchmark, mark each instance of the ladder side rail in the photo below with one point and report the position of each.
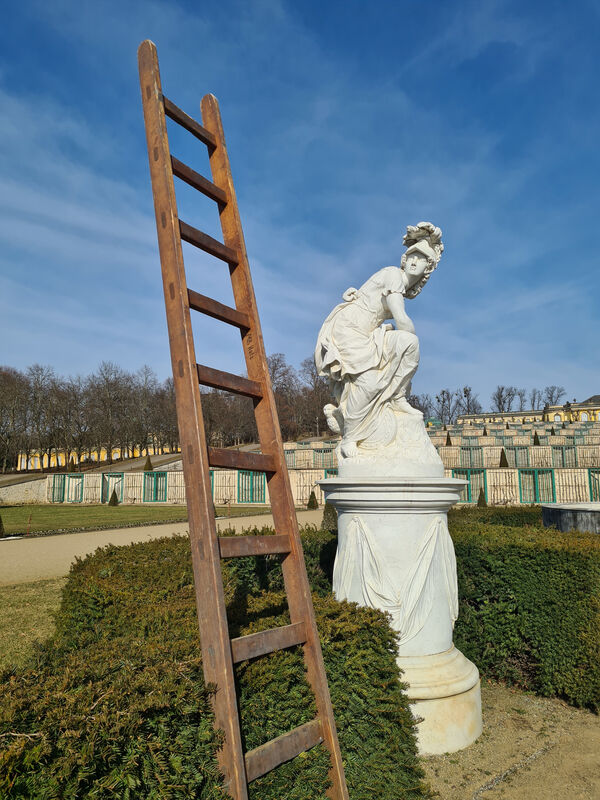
(282, 502)
(216, 649)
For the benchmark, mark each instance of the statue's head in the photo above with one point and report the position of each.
(424, 250)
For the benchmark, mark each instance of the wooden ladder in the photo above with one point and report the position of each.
(219, 652)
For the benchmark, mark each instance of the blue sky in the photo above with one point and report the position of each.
(345, 121)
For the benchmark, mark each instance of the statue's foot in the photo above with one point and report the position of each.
(349, 449)
(335, 420)
(402, 404)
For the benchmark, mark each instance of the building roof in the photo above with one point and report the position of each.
(593, 400)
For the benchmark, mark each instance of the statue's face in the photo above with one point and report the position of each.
(415, 266)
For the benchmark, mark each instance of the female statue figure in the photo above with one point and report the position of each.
(370, 365)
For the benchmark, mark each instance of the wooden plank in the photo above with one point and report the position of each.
(269, 432)
(268, 756)
(207, 243)
(210, 599)
(239, 546)
(212, 308)
(237, 459)
(218, 379)
(187, 122)
(199, 182)
(263, 642)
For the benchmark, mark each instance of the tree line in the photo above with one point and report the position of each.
(450, 403)
(42, 412)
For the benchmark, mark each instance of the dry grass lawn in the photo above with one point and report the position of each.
(26, 615)
(76, 517)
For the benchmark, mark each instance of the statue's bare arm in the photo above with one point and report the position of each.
(395, 303)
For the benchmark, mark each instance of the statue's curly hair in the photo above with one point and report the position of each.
(433, 236)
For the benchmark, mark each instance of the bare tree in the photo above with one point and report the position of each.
(315, 394)
(445, 406)
(108, 390)
(423, 402)
(499, 399)
(40, 383)
(284, 380)
(503, 398)
(13, 415)
(468, 402)
(522, 399)
(553, 394)
(536, 399)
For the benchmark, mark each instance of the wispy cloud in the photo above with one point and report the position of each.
(330, 162)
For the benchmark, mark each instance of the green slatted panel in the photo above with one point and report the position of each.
(58, 489)
(251, 487)
(537, 486)
(74, 488)
(477, 480)
(594, 480)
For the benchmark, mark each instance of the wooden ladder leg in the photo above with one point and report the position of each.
(282, 502)
(210, 601)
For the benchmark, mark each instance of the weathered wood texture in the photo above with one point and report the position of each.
(266, 757)
(219, 652)
(263, 642)
(238, 546)
(214, 635)
(212, 308)
(237, 459)
(197, 181)
(208, 376)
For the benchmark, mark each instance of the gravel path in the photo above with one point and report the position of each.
(532, 748)
(26, 560)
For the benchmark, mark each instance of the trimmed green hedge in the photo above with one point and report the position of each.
(115, 706)
(529, 602)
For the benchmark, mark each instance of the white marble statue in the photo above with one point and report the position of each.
(391, 494)
(369, 363)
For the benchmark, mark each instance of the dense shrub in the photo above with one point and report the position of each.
(312, 504)
(495, 515)
(114, 706)
(330, 518)
(529, 602)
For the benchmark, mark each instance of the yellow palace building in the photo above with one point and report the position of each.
(587, 411)
(61, 458)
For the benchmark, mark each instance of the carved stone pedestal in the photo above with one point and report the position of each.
(395, 553)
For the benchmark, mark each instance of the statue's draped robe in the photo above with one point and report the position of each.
(366, 364)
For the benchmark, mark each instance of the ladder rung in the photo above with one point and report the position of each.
(207, 243)
(213, 308)
(263, 642)
(236, 459)
(198, 181)
(268, 756)
(217, 379)
(187, 122)
(238, 546)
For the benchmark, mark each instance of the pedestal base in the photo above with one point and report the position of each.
(445, 694)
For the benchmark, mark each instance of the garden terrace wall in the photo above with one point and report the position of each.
(535, 483)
